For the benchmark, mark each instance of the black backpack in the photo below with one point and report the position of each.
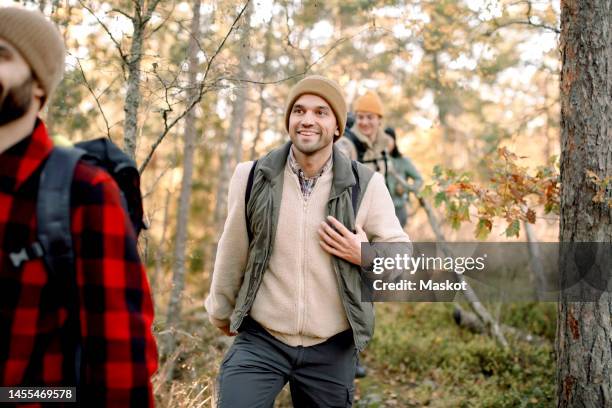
(355, 193)
(54, 243)
(53, 204)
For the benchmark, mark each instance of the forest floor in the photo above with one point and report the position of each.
(419, 357)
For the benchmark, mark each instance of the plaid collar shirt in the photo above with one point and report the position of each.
(306, 183)
(39, 323)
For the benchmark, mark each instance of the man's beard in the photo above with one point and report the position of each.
(312, 147)
(15, 101)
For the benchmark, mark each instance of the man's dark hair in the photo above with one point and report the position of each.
(391, 132)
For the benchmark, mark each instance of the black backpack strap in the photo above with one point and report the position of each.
(55, 236)
(359, 145)
(356, 190)
(247, 197)
(53, 208)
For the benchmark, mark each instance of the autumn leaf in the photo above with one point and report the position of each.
(591, 175)
(440, 198)
(427, 191)
(513, 229)
(599, 197)
(466, 186)
(531, 216)
(437, 170)
(452, 189)
(483, 228)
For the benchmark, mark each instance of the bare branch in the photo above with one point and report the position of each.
(499, 25)
(299, 74)
(203, 89)
(123, 13)
(151, 8)
(105, 27)
(160, 25)
(161, 175)
(197, 40)
(91, 91)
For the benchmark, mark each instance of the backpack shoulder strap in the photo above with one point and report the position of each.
(55, 236)
(356, 190)
(363, 174)
(53, 208)
(247, 197)
(359, 146)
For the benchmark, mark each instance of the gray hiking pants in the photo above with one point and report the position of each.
(257, 366)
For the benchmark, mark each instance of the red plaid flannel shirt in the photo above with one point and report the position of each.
(119, 354)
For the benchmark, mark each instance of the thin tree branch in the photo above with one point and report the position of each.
(203, 89)
(509, 23)
(105, 27)
(165, 20)
(299, 74)
(161, 175)
(123, 13)
(91, 91)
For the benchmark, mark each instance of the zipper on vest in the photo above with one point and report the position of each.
(301, 318)
(301, 301)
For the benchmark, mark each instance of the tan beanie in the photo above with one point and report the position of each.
(39, 43)
(370, 102)
(326, 89)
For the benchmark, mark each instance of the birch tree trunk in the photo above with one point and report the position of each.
(140, 19)
(178, 279)
(584, 331)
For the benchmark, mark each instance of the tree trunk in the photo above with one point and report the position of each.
(584, 331)
(535, 258)
(233, 146)
(178, 279)
(142, 16)
(132, 96)
(161, 247)
(262, 88)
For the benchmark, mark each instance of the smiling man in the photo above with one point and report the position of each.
(365, 141)
(292, 291)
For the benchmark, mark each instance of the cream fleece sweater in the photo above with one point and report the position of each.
(298, 300)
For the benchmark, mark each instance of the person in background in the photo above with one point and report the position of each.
(401, 170)
(365, 141)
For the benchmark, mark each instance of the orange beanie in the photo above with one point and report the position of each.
(370, 102)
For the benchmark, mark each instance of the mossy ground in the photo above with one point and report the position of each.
(418, 357)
